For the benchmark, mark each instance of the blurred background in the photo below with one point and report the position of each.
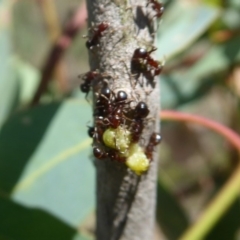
(46, 172)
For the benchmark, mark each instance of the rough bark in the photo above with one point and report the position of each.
(125, 201)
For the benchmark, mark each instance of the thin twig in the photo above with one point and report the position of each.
(54, 31)
(75, 24)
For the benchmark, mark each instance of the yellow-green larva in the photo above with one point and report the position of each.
(120, 140)
(117, 138)
(137, 161)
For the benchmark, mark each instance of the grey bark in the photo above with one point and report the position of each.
(125, 201)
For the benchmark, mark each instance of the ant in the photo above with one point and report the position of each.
(88, 78)
(156, 66)
(97, 34)
(116, 115)
(99, 153)
(91, 131)
(141, 111)
(114, 156)
(136, 129)
(138, 64)
(110, 111)
(154, 140)
(157, 7)
(143, 63)
(96, 133)
(103, 106)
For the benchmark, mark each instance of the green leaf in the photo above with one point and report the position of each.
(28, 79)
(218, 58)
(182, 24)
(82, 237)
(181, 87)
(228, 225)
(44, 155)
(231, 18)
(22, 223)
(8, 84)
(19, 138)
(170, 216)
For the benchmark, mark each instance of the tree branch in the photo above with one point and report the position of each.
(125, 201)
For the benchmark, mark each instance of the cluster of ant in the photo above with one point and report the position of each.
(119, 124)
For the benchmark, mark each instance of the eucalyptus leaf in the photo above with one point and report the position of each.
(8, 84)
(182, 24)
(22, 223)
(59, 176)
(82, 237)
(170, 215)
(181, 87)
(44, 159)
(227, 226)
(28, 79)
(19, 138)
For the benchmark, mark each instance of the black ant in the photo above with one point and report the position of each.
(154, 140)
(99, 153)
(96, 133)
(88, 78)
(157, 7)
(143, 63)
(141, 111)
(136, 129)
(97, 34)
(139, 58)
(114, 156)
(103, 103)
(91, 131)
(104, 95)
(115, 116)
(111, 110)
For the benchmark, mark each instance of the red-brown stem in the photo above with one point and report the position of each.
(76, 23)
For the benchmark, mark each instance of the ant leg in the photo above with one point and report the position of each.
(129, 74)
